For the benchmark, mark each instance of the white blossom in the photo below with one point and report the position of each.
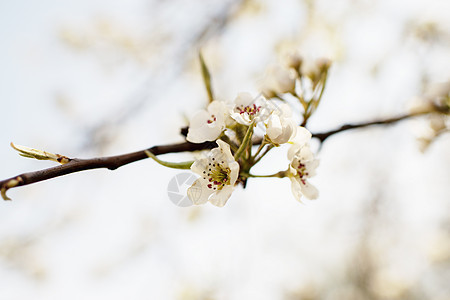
(278, 80)
(301, 137)
(303, 166)
(248, 109)
(280, 126)
(219, 172)
(207, 124)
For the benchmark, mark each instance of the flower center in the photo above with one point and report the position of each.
(212, 119)
(302, 172)
(251, 110)
(217, 175)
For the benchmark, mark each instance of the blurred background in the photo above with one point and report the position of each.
(94, 78)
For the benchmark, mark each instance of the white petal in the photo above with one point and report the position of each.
(198, 193)
(217, 107)
(241, 118)
(199, 166)
(285, 79)
(309, 191)
(296, 189)
(274, 127)
(224, 147)
(292, 170)
(288, 129)
(244, 99)
(286, 110)
(211, 133)
(293, 150)
(200, 131)
(302, 136)
(221, 197)
(203, 134)
(199, 119)
(234, 174)
(305, 154)
(199, 128)
(311, 167)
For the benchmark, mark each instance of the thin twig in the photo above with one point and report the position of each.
(110, 162)
(322, 136)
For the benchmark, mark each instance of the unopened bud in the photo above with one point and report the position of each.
(295, 61)
(437, 123)
(323, 64)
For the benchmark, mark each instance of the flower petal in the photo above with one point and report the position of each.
(207, 125)
(234, 168)
(217, 108)
(243, 99)
(309, 190)
(296, 188)
(198, 193)
(199, 166)
(302, 136)
(305, 154)
(221, 197)
(274, 127)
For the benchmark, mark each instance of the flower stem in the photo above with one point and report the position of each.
(173, 165)
(262, 154)
(280, 174)
(261, 146)
(324, 82)
(245, 142)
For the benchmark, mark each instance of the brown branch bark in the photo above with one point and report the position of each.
(110, 162)
(114, 162)
(322, 136)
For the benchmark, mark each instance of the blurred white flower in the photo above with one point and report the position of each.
(278, 80)
(248, 109)
(420, 105)
(207, 124)
(303, 165)
(219, 172)
(280, 126)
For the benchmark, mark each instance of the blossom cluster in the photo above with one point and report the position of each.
(232, 126)
(247, 128)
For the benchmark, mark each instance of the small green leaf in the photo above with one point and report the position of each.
(39, 154)
(206, 78)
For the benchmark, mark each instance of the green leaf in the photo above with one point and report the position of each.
(206, 78)
(39, 154)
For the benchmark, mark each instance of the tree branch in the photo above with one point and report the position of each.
(114, 162)
(110, 162)
(322, 136)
